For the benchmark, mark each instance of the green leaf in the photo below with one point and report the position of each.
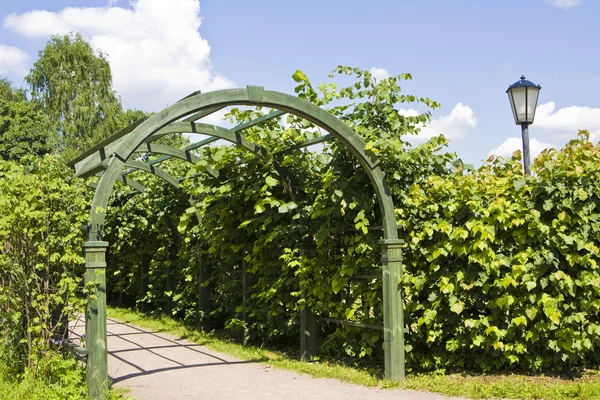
(531, 313)
(457, 307)
(337, 284)
(521, 320)
(519, 184)
(245, 223)
(349, 313)
(271, 182)
(299, 76)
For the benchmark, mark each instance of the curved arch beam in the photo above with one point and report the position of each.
(141, 188)
(214, 131)
(229, 135)
(132, 183)
(167, 150)
(161, 173)
(85, 164)
(171, 152)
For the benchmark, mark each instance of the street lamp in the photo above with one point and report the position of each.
(523, 96)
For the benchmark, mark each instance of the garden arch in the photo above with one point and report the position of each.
(110, 156)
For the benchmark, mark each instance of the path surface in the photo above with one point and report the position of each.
(157, 366)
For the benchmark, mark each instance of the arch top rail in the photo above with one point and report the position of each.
(90, 162)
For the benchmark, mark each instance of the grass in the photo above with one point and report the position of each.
(507, 386)
(67, 381)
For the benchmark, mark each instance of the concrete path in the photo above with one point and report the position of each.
(157, 366)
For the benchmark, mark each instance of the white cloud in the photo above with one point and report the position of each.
(12, 59)
(513, 144)
(566, 122)
(566, 3)
(156, 54)
(453, 126)
(379, 73)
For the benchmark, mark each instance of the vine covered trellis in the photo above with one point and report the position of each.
(113, 160)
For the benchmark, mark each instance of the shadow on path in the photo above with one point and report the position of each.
(135, 352)
(158, 366)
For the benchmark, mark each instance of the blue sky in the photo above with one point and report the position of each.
(462, 53)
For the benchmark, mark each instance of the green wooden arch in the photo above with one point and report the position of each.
(132, 183)
(114, 153)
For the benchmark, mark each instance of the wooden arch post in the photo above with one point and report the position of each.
(112, 154)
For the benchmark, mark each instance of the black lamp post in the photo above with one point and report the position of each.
(523, 96)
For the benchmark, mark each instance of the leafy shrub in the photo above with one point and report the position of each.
(502, 269)
(66, 380)
(41, 214)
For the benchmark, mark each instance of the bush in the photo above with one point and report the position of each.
(64, 380)
(501, 269)
(42, 211)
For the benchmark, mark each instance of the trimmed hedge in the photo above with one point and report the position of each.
(502, 270)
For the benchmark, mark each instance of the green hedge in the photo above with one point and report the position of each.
(42, 210)
(500, 270)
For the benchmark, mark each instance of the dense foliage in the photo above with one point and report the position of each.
(41, 214)
(24, 129)
(500, 270)
(503, 269)
(68, 106)
(65, 380)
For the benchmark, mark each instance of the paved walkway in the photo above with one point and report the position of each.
(157, 366)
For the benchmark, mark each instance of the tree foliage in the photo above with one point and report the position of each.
(8, 93)
(24, 129)
(72, 84)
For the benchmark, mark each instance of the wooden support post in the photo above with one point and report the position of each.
(171, 259)
(393, 314)
(95, 324)
(308, 321)
(244, 294)
(145, 268)
(169, 280)
(308, 335)
(203, 296)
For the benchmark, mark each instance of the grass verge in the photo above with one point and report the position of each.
(66, 381)
(507, 386)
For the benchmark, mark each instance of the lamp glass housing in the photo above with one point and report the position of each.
(523, 96)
